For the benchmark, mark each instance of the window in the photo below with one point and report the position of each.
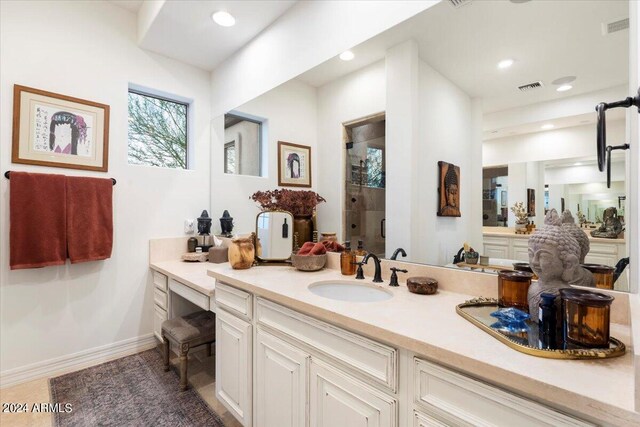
(243, 136)
(375, 168)
(230, 157)
(157, 131)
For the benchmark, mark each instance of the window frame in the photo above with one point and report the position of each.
(262, 135)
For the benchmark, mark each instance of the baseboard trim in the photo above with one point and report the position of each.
(76, 361)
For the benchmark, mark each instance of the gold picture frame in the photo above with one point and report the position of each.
(294, 165)
(50, 129)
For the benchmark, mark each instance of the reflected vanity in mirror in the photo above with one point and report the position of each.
(379, 124)
(274, 236)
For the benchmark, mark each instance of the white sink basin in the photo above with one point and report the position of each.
(343, 290)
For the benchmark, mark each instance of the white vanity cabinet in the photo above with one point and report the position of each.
(161, 302)
(276, 367)
(336, 399)
(281, 382)
(233, 365)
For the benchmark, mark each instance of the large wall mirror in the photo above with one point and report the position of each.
(503, 91)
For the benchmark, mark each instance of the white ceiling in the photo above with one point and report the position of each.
(558, 123)
(548, 40)
(184, 30)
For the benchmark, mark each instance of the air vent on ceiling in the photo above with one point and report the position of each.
(530, 86)
(459, 3)
(615, 26)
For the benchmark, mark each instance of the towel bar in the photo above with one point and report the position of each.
(6, 175)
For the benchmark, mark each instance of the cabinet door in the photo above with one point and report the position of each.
(496, 251)
(233, 365)
(521, 253)
(337, 400)
(281, 383)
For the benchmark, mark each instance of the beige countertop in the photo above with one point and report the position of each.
(602, 391)
(192, 274)
(510, 232)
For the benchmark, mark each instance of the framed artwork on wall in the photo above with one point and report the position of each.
(294, 165)
(531, 202)
(56, 130)
(448, 190)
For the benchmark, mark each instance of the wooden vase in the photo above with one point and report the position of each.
(303, 225)
(241, 253)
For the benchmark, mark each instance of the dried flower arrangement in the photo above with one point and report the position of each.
(298, 202)
(520, 212)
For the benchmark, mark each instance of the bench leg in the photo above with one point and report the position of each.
(184, 350)
(166, 350)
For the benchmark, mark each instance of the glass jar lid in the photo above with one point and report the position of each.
(518, 276)
(599, 268)
(584, 297)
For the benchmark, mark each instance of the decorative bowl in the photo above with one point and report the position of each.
(422, 285)
(309, 262)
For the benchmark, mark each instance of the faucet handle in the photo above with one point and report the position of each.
(394, 275)
(359, 272)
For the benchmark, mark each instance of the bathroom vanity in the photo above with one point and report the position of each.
(288, 357)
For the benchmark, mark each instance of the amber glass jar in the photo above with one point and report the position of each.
(513, 287)
(585, 317)
(347, 260)
(603, 275)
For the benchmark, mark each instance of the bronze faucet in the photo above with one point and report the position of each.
(396, 252)
(377, 277)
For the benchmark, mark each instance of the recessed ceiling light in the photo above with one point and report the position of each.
(563, 80)
(224, 19)
(577, 164)
(505, 63)
(347, 55)
(564, 88)
(547, 126)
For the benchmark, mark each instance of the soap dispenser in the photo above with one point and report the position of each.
(360, 250)
(347, 260)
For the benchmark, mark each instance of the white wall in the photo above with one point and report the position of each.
(577, 141)
(308, 34)
(290, 110)
(88, 50)
(353, 96)
(445, 133)
(246, 138)
(584, 173)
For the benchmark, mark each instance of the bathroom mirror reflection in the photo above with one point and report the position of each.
(515, 114)
(274, 236)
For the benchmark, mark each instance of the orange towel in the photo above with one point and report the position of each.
(306, 248)
(37, 216)
(89, 218)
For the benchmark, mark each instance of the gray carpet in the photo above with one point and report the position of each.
(132, 391)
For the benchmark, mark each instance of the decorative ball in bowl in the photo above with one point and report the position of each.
(422, 285)
(308, 262)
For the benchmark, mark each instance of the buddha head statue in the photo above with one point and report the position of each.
(554, 254)
(569, 224)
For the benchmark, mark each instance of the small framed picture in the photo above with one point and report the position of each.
(56, 130)
(294, 165)
(531, 202)
(448, 190)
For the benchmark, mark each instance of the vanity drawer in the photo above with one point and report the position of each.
(160, 298)
(369, 358)
(475, 403)
(603, 248)
(234, 300)
(187, 293)
(160, 281)
(498, 241)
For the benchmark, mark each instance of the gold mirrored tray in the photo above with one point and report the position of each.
(478, 311)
